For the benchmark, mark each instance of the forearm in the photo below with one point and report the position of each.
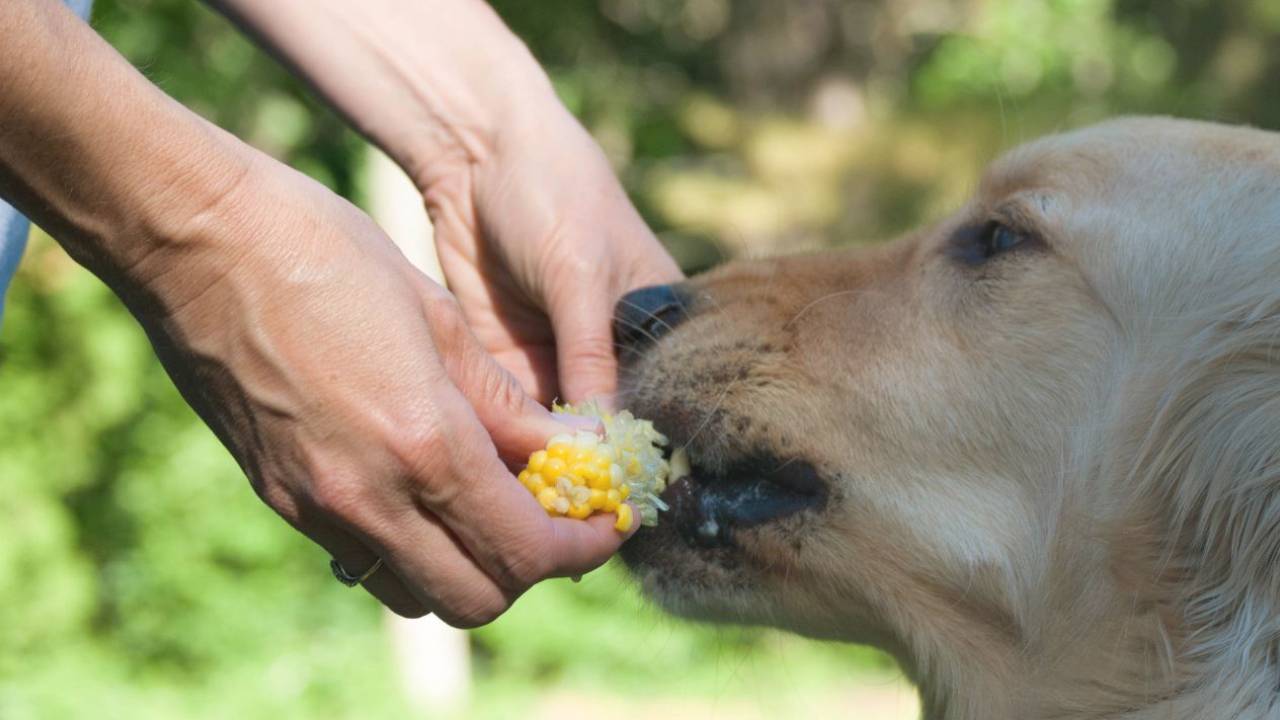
(431, 82)
(95, 154)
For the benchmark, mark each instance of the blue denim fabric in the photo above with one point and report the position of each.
(13, 227)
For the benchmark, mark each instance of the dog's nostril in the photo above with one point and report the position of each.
(646, 314)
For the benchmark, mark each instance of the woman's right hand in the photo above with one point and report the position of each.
(356, 399)
(344, 382)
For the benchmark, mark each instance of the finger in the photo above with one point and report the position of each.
(534, 367)
(463, 481)
(421, 555)
(516, 422)
(588, 367)
(580, 546)
(437, 567)
(497, 520)
(356, 558)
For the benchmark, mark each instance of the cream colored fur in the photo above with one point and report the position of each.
(1056, 477)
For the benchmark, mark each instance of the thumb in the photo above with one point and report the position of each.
(516, 422)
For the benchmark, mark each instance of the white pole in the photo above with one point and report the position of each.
(434, 659)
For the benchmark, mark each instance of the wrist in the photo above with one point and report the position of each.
(460, 109)
(101, 159)
(431, 82)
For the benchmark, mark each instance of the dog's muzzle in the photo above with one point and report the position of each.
(709, 508)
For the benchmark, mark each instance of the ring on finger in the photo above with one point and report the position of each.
(349, 579)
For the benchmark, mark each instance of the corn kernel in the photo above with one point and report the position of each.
(537, 460)
(597, 499)
(547, 498)
(623, 523)
(581, 474)
(555, 468)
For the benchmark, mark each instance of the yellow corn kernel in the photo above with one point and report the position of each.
(547, 498)
(537, 460)
(623, 523)
(584, 473)
(597, 499)
(555, 468)
(596, 481)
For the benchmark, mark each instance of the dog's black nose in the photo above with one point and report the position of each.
(646, 314)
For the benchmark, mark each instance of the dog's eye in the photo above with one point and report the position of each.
(998, 238)
(975, 244)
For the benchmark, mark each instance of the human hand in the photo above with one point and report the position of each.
(538, 241)
(535, 235)
(350, 390)
(345, 383)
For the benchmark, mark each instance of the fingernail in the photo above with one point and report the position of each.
(579, 422)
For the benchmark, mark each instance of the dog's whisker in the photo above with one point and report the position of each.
(826, 297)
(633, 326)
(715, 408)
(651, 315)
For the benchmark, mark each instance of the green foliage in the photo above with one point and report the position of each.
(144, 579)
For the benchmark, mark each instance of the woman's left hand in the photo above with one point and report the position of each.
(538, 241)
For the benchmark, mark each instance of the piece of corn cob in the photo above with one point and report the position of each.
(582, 474)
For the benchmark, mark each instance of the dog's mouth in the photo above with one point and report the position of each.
(708, 507)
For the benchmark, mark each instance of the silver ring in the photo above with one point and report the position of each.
(347, 578)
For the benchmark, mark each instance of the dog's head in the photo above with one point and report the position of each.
(1034, 423)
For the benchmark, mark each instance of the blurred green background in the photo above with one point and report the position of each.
(143, 579)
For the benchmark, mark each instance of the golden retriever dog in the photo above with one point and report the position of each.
(1032, 451)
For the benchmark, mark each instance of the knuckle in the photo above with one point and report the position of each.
(278, 498)
(445, 315)
(418, 445)
(474, 617)
(524, 566)
(426, 457)
(576, 265)
(502, 389)
(593, 348)
(343, 497)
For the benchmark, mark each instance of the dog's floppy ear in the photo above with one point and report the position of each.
(1208, 467)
